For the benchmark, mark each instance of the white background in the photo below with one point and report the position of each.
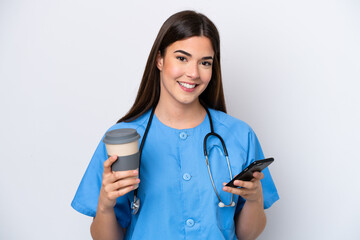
(71, 69)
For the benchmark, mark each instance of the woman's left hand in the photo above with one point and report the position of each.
(250, 190)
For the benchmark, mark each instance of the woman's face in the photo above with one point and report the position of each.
(185, 70)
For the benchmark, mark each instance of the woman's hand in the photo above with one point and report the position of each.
(250, 190)
(251, 220)
(115, 184)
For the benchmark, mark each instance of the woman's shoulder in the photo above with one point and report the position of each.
(229, 122)
(233, 129)
(138, 123)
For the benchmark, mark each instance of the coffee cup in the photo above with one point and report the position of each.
(124, 143)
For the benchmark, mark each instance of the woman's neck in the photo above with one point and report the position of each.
(180, 116)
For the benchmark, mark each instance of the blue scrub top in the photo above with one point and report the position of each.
(177, 197)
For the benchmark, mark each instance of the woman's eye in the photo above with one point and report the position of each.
(206, 63)
(181, 58)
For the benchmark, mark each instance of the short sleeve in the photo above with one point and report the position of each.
(87, 194)
(255, 152)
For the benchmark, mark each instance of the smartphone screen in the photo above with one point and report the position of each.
(247, 173)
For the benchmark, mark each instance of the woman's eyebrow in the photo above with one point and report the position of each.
(183, 52)
(206, 58)
(189, 55)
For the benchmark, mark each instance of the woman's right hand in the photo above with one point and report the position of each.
(115, 184)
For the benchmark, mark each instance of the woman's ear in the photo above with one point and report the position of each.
(159, 61)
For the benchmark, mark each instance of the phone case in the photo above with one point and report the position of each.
(247, 173)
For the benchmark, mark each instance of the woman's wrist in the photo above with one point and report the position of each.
(259, 202)
(104, 206)
(105, 210)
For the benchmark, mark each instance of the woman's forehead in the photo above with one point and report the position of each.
(196, 46)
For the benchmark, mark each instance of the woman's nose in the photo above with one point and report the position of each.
(192, 71)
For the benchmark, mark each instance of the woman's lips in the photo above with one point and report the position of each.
(188, 87)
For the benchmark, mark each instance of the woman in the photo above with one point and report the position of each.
(182, 79)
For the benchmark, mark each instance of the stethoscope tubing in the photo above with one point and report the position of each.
(135, 205)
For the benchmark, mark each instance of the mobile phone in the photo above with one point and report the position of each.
(247, 173)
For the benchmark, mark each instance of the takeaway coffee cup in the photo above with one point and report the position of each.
(125, 144)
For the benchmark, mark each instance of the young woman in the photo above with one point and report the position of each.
(180, 100)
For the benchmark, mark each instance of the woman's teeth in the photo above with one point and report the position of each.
(186, 85)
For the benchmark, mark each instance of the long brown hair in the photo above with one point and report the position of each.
(179, 26)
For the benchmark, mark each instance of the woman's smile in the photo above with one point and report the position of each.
(188, 87)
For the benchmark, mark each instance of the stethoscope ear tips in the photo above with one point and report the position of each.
(221, 204)
(232, 204)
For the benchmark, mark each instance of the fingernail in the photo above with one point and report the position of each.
(135, 172)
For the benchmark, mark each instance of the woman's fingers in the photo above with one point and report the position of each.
(125, 174)
(113, 195)
(123, 183)
(258, 176)
(250, 190)
(109, 176)
(244, 184)
(115, 184)
(239, 191)
(250, 184)
(108, 163)
(122, 191)
(115, 176)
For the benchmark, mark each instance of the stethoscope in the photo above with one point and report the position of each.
(135, 205)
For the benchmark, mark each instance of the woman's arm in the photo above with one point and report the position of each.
(251, 220)
(114, 184)
(105, 226)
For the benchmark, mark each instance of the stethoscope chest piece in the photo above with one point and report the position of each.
(221, 204)
(135, 205)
